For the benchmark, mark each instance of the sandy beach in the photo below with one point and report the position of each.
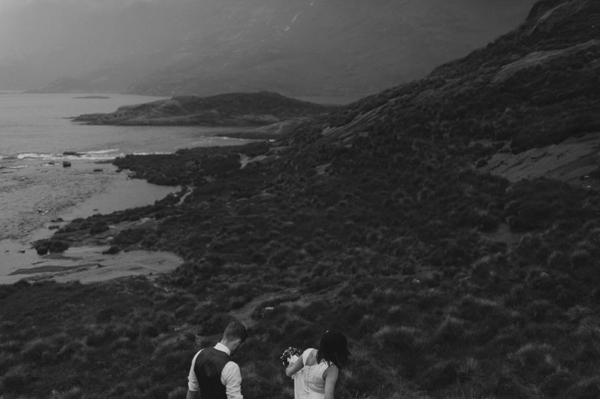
(86, 263)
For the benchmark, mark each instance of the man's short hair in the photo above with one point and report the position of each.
(235, 330)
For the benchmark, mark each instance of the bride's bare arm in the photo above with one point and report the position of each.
(294, 368)
(330, 375)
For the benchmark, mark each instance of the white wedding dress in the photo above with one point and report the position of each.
(309, 382)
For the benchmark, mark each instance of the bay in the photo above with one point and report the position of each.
(37, 136)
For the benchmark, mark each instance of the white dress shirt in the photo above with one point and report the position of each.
(231, 377)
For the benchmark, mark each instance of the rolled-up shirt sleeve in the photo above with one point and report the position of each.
(231, 377)
(192, 380)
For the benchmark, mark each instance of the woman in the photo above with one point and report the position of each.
(319, 369)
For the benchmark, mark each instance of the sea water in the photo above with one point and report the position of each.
(37, 136)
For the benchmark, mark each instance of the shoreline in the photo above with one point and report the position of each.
(123, 193)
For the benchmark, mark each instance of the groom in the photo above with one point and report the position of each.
(213, 373)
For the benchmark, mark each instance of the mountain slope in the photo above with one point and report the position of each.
(328, 47)
(534, 86)
(320, 47)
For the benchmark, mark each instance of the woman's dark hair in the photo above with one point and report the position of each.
(334, 348)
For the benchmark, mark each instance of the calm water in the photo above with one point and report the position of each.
(35, 132)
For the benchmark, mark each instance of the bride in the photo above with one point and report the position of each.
(316, 372)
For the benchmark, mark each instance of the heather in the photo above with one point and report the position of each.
(375, 220)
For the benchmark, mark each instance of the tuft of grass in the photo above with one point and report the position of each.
(73, 393)
(450, 330)
(16, 380)
(555, 384)
(178, 393)
(398, 338)
(581, 258)
(589, 330)
(38, 350)
(532, 354)
(441, 374)
(587, 388)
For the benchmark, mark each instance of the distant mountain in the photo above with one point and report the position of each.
(295, 47)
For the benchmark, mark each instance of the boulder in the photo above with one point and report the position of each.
(113, 250)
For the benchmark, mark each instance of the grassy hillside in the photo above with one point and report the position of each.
(374, 219)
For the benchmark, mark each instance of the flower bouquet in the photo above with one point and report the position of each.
(290, 356)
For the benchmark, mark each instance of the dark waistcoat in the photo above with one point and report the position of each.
(208, 368)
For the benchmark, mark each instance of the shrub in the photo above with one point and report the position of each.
(581, 258)
(559, 260)
(5, 292)
(555, 384)
(450, 330)
(73, 393)
(99, 227)
(470, 370)
(397, 338)
(149, 330)
(508, 387)
(401, 315)
(588, 388)
(105, 315)
(589, 329)
(216, 324)
(38, 350)
(539, 310)
(178, 393)
(113, 250)
(100, 335)
(16, 380)
(508, 338)
(58, 246)
(476, 309)
(163, 321)
(362, 377)
(531, 354)
(6, 361)
(578, 313)
(71, 349)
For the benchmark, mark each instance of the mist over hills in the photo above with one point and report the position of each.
(379, 219)
(320, 47)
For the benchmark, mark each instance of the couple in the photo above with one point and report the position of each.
(315, 374)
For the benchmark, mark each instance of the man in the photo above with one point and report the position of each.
(213, 374)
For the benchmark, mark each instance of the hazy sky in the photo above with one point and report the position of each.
(23, 3)
(28, 26)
